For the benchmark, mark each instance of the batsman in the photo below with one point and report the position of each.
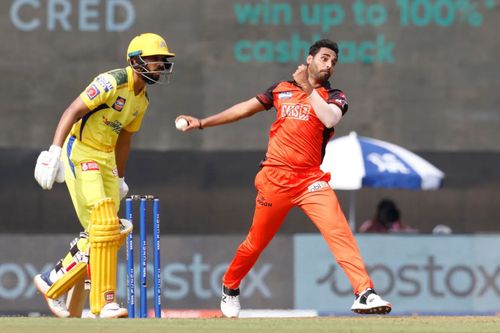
(89, 152)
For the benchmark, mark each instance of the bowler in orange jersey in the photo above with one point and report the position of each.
(307, 109)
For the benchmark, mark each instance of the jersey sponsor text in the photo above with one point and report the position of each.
(90, 166)
(104, 82)
(92, 91)
(296, 111)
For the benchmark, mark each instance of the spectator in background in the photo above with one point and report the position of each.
(387, 219)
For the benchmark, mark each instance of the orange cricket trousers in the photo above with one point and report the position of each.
(278, 190)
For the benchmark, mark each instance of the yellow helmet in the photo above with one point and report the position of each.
(148, 44)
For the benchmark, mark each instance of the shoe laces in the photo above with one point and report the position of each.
(233, 300)
(366, 295)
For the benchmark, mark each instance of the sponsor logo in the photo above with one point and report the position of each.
(318, 186)
(90, 166)
(341, 100)
(295, 111)
(263, 202)
(200, 278)
(388, 162)
(92, 91)
(104, 82)
(115, 172)
(115, 125)
(430, 278)
(285, 94)
(109, 296)
(81, 257)
(195, 278)
(119, 103)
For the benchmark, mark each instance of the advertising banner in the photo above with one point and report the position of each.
(191, 272)
(396, 57)
(417, 274)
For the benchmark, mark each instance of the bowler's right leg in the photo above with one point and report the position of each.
(323, 209)
(271, 209)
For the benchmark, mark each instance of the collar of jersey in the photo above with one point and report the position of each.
(130, 80)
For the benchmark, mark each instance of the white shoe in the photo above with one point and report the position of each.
(230, 302)
(56, 306)
(113, 310)
(368, 302)
(41, 284)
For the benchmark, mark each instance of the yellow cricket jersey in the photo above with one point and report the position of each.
(114, 106)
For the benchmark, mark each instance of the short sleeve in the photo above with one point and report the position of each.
(266, 98)
(337, 97)
(99, 91)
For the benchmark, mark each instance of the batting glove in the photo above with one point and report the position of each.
(123, 188)
(60, 173)
(47, 167)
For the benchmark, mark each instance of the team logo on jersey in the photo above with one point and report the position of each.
(295, 111)
(341, 100)
(92, 91)
(119, 103)
(285, 95)
(115, 125)
(90, 166)
(104, 82)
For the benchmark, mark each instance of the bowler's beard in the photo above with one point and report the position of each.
(321, 77)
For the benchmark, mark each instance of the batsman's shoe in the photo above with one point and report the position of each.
(110, 310)
(230, 302)
(368, 302)
(57, 306)
(42, 283)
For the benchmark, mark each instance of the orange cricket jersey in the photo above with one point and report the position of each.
(297, 137)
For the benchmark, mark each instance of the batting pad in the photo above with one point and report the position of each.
(72, 268)
(104, 238)
(67, 281)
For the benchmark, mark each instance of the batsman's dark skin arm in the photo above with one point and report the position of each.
(122, 150)
(234, 113)
(76, 111)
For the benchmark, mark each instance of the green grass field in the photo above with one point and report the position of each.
(382, 324)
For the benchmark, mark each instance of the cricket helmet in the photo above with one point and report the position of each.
(148, 44)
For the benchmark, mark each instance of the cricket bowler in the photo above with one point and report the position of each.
(307, 109)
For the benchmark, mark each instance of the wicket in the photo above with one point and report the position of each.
(143, 203)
